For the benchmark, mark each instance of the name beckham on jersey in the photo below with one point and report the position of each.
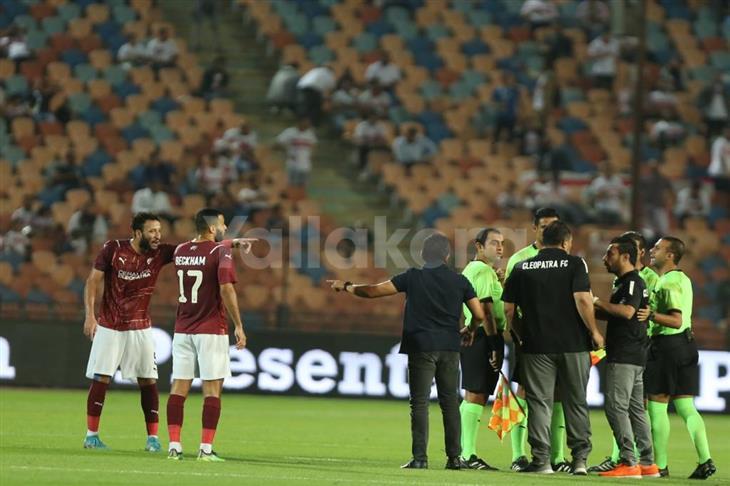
(541, 265)
(190, 260)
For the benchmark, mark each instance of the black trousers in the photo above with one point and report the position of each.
(309, 104)
(423, 367)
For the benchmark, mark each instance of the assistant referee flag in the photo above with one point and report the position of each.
(506, 412)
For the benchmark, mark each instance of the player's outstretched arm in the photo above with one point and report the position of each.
(93, 283)
(367, 291)
(230, 300)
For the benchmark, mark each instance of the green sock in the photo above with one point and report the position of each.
(696, 426)
(659, 432)
(615, 452)
(557, 434)
(471, 414)
(519, 431)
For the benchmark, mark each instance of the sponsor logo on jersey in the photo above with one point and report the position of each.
(189, 260)
(149, 260)
(124, 275)
(122, 260)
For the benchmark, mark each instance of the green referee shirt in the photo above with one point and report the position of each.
(673, 291)
(488, 289)
(649, 277)
(530, 251)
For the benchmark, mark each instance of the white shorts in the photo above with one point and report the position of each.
(204, 356)
(131, 351)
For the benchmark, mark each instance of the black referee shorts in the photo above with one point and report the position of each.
(672, 366)
(477, 375)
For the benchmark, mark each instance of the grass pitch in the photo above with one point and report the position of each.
(274, 440)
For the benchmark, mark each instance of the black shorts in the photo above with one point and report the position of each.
(477, 375)
(672, 366)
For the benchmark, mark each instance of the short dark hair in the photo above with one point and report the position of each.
(676, 247)
(140, 219)
(556, 233)
(626, 245)
(436, 248)
(204, 217)
(482, 236)
(637, 237)
(544, 213)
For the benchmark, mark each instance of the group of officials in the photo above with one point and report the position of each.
(545, 302)
(451, 321)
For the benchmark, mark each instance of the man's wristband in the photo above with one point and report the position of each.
(344, 287)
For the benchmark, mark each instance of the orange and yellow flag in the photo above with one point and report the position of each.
(506, 412)
(597, 356)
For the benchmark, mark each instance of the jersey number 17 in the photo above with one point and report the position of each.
(198, 275)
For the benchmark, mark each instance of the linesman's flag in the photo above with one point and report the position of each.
(597, 356)
(506, 412)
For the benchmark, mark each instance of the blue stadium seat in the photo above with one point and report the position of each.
(74, 57)
(134, 131)
(93, 115)
(95, 161)
(164, 105)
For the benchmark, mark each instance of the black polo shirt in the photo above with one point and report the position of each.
(626, 339)
(434, 296)
(543, 289)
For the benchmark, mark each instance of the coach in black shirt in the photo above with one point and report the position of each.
(431, 339)
(554, 294)
(626, 349)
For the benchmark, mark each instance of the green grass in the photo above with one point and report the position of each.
(272, 440)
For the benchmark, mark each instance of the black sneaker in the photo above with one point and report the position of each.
(562, 467)
(519, 464)
(475, 462)
(605, 466)
(704, 470)
(536, 468)
(415, 464)
(664, 473)
(456, 463)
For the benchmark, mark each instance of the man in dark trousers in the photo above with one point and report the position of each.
(431, 339)
(553, 291)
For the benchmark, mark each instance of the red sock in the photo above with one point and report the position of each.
(94, 404)
(150, 406)
(211, 414)
(175, 408)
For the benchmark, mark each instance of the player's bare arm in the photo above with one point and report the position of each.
(673, 319)
(93, 283)
(366, 291)
(584, 304)
(230, 300)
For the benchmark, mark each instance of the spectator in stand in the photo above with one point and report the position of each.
(238, 144)
(545, 96)
(655, 201)
(603, 51)
(312, 90)
(375, 99)
(548, 191)
(86, 226)
(539, 13)
(17, 47)
(413, 148)
(211, 178)
(298, 142)
(215, 80)
(154, 200)
(714, 102)
(668, 130)
(205, 11)
(162, 50)
(556, 44)
(509, 200)
(594, 17)
(65, 174)
(133, 53)
(551, 159)
(383, 72)
(43, 222)
(16, 106)
(153, 169)
(25, 213)
(252, 198)
(693, 201)
(507, 100)
(672, 75)
(607, 194)
(719, 168)
(15, 244)
(345, 101)
(282, 92)
(369, 135)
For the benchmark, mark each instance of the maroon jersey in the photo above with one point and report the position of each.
(129, 279)
(202, 267)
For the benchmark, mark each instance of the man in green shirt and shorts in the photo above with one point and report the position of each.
(672, 370)
(542, 218)
(482, 359)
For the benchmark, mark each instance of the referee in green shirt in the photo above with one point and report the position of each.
(482, 359)
(672, 370)
(542, 218)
